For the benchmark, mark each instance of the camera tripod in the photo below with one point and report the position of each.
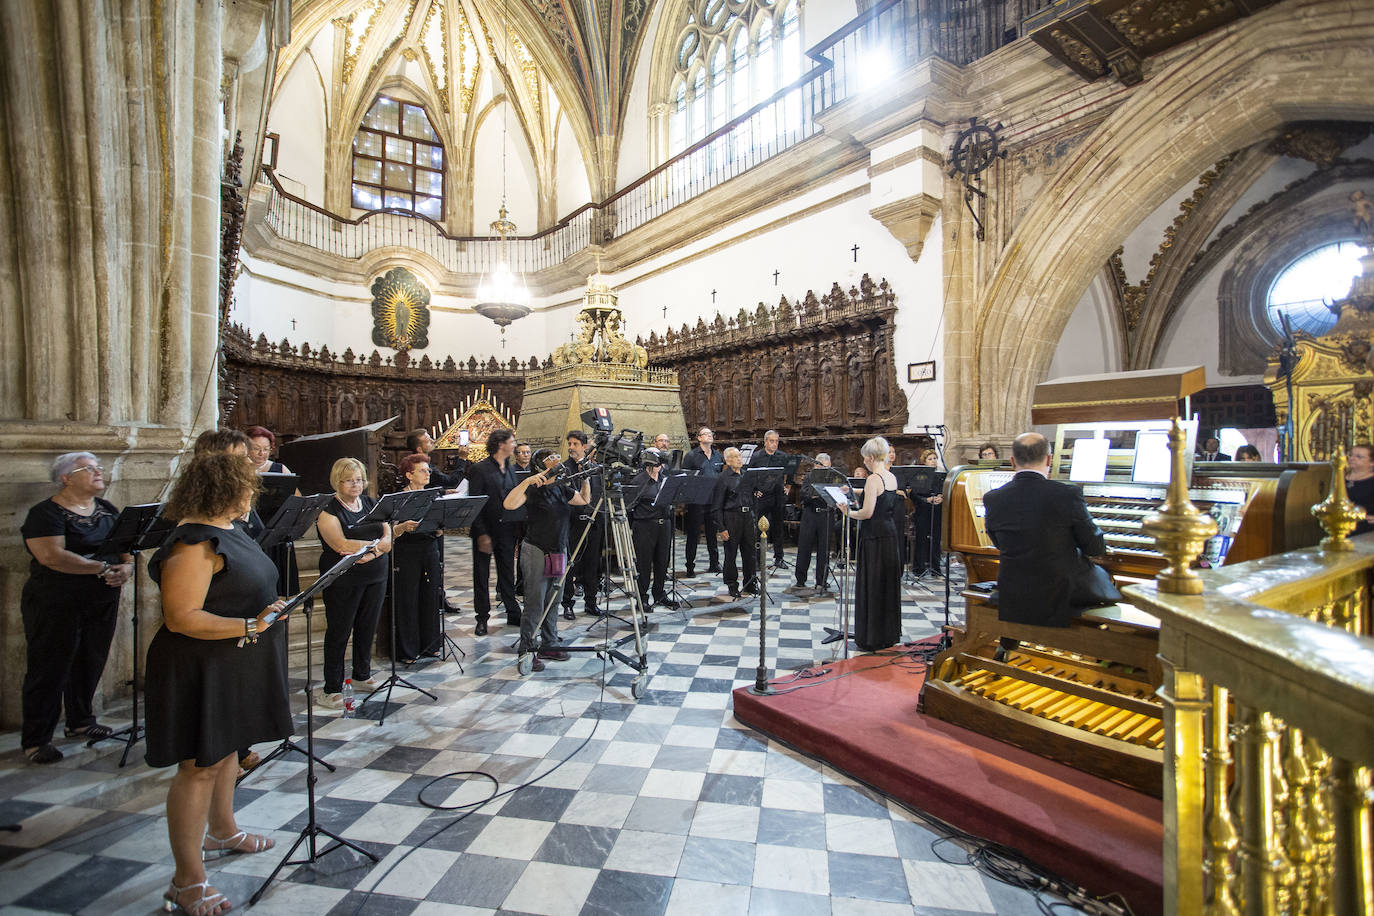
(619, 523)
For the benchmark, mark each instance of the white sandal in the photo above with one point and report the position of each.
(204, 905)
(234, 845)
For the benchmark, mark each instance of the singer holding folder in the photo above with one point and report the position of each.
(216, 668)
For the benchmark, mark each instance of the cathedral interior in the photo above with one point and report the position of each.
(836, 219)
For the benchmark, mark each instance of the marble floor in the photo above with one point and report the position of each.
(557, 793)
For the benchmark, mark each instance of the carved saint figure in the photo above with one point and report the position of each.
(804, 390)
(856, 386)
(828, 403)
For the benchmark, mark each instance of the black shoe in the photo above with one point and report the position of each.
(450, 608)
(593, 611)
(480, 629)
(751, 588)
(536, 664)
(714, 567)
(667, 602)
(43, 754)
(553, 655)
(780, 563)
(690, 572)
(512, 621)
(569, 613)
(735, 593)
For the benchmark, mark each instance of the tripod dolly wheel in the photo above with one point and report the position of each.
(525, 664)
(637, 685)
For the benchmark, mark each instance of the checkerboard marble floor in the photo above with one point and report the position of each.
(662, 805)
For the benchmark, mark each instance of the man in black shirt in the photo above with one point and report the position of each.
(732, 505)
(770, 504)
(814, 536)
(422, 443)
(709, 463)
(584, 568)
(493, 478)
(649, 526)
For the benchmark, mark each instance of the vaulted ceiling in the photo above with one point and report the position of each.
(583, 51)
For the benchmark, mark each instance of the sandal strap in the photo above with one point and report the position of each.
(234, 843)
(202, 905)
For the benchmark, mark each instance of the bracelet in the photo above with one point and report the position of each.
(104, 568)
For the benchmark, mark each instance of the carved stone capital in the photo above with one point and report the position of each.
(909, 220)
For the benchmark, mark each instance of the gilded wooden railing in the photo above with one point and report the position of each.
(1269, 711)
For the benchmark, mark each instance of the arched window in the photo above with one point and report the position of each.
(398, 160)
(720, 73)
(1303, 288)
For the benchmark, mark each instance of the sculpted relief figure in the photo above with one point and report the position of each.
(804, 390)
(828, 401)
(856, 387)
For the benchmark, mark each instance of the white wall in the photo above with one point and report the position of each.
(298, 115)
(573, 188)
(521, 189)
(1089, 345)
(635, 149)
(1191, 338)
(821, 17)
(268, 298)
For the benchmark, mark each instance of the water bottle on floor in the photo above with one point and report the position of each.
(350, 704)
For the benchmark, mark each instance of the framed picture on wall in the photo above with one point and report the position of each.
(921, 372)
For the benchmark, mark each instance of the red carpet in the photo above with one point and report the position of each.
(1102, 836)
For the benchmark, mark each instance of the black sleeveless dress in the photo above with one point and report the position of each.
(207, 697)
(878, 579)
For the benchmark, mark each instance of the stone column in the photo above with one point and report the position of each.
(110, 156)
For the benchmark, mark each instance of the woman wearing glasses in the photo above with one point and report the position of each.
(68, 605)
(353, 603)
(419, 575)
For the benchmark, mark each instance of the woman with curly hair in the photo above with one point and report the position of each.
(419, 576)
(216, 669)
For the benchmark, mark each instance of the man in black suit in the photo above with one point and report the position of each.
(1211, 451)
(1045, 535)
(708, 462)
(493, 478)
(422, 443)
(649, 528)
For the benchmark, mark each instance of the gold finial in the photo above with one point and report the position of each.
(1179, 529)
(763, 525)
(1337, 515)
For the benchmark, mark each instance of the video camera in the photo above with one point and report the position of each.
(624, 449)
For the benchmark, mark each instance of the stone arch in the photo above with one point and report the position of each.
(1292, 62)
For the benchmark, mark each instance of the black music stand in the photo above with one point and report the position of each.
(401, 506)
(922, 482)
(276, 488)
(138, 528)
(766, 480)
(312, 829)
(683, 490)
(814, 480)
(294, 517)
(445, 512)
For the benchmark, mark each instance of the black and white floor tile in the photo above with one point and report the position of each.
(666, 804)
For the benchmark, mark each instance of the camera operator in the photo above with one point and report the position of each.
(585, 568)
(733, 507)
(544, 554)
(649, 525)
(770, 504)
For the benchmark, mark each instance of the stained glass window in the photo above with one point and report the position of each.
(398, 160)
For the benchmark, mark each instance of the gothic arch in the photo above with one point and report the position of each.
(1290, 62)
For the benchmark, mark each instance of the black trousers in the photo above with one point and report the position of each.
(814, 537)
(350, 609)
(771, 509)
(743, 530)
(503, 551)
(68, 640)
(418, 601)
(586, 566)
(653, 539)
(697, 518)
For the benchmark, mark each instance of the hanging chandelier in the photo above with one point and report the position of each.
(502, 296)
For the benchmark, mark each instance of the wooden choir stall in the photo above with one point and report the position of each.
(1085, 694)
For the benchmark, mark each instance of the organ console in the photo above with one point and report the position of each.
(1085, 694)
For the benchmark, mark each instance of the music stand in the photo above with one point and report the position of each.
(401, 506)
(683, 490)
(295, 516)
(446, 512)
(312, 829)
(138, 528)
(276, 488)
(811, 484)
(923, 482)
(835, 496)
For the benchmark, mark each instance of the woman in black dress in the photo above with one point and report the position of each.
(68, 605)
(1359, 483)
(215, 669)
(878, 571)
(353, 603)
(926, 525)
(419, 575)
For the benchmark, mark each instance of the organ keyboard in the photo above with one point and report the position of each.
(1085, 694)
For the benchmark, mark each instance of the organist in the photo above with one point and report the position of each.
(1045, 535)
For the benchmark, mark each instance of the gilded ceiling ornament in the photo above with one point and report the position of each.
(1318, 142)
(400, 311)
(434, 43)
